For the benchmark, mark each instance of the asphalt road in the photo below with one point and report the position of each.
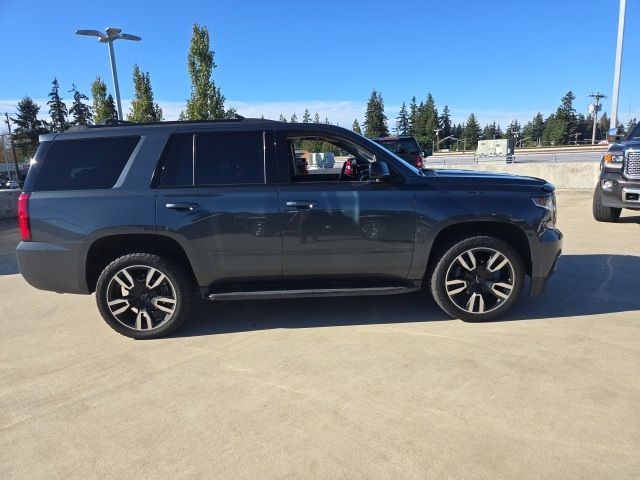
(559, 157)
(335, 388)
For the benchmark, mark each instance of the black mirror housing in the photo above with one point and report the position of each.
(379, 171)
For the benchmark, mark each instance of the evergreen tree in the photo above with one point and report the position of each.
(206, 101)
(402, 121)
(28, 127)
(471, 133)
(555, 131)
(282, 119)
(631, 125)
(294, 118)
(375, 121)
(604, 124)
(491, 131)
(356, 127)
(306, 117)
(413, 115)
(143, 108)
(445, 125)
(426, 123)
(104, 107)
(316, 118)
(57, 109)
(79, 111)
(534, 129)
(513, 130)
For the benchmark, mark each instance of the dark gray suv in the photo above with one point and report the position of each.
(149, 215)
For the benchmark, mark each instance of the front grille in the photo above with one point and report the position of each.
(632, 168)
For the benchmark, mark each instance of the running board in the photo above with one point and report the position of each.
(313, 292)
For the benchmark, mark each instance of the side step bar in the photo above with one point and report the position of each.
(313, 292)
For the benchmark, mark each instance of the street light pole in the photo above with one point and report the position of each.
(13, 148)
(111, 35)
(114, 74)
(617, 69)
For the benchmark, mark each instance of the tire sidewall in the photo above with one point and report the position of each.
(166, 267)
(438, 278)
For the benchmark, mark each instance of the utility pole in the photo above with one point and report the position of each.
(13, 147)
(597, 96)
(437, 130)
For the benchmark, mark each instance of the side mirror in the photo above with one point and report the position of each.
(379, 171)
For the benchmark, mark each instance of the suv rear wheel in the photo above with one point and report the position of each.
(602, 213)
(478, 278)
(143, 296)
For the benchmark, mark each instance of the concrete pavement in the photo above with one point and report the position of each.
(336, 388)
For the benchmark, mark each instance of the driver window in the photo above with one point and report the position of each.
(318, 159)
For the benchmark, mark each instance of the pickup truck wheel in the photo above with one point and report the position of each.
(602, 213)
(144, 296)
(477, 279)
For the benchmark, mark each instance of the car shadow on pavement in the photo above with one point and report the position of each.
(582, 285)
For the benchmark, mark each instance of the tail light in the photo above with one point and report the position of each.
(23, 217)
(419, 161)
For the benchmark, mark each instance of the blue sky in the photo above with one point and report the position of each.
(499, 59)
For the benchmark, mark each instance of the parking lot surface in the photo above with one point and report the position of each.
(364, 387)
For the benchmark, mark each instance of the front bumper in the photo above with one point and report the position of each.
(544, 259)
(624, 193)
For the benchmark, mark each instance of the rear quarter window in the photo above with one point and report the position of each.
(85, 164)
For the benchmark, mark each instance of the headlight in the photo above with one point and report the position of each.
(548, 202)
(613, 157)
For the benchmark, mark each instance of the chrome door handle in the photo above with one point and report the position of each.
(302, 204)
(182, 206)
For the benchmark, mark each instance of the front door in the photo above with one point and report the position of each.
(339, 225)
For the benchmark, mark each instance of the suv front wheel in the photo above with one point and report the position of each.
(143, 296)
(477, 279)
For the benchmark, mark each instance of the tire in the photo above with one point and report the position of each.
(144, 296)
(475, 292)
(602, 213)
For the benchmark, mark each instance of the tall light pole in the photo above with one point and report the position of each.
(112, 34)
(616, 72)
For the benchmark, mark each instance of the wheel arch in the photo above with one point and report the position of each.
(106, 249)
(508, 232)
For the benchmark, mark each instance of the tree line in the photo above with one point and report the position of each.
(563, 127)
(206, 101)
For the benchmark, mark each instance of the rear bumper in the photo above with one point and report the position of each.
(544, 260)
(52, 267)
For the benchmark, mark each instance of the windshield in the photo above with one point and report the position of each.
(635, 134)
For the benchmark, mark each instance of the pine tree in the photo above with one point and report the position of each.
(604, 124)
(426, 123)
(533, 130)
(445, 125)
(282, 119)
(375, 121)
(57, 109)
(294, 118)
(316, 118)
(413, 115)
(356, 127)
(402, 121)
(103, 105)
(555, 131)
(306, 117)
(28, 127)
(143, 108)
(206, 101)
(631, 125)
(471, 133)
(79, 111)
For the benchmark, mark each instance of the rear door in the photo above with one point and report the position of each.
(215, 196)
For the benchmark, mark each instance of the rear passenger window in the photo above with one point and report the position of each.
(229, 158)
(178, 162)
(91, 163)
